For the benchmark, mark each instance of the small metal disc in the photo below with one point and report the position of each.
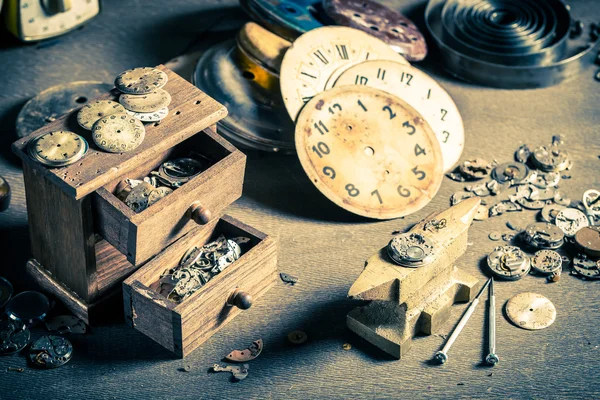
(158, 194)
(50, 352)
(146, 103)
(495, 236)
(570, 221)
(551, 158)
(57, 149)
(508, 262)
(546, 262)
(118, 133)
(297, 337)
(382, 22)
(588, 238)
(66, 324)
(140, 80)
(530, 311)
(482, 213)
(89, 114)
(586, 267)
(550, 211)
(56, 101)
(14, 337)
(544, 235)
(411, 250)
(137, 199)
(150, 116)
(28, 307)
(6, 291)
(510, 171)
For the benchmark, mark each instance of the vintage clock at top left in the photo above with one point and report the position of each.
(31, 20)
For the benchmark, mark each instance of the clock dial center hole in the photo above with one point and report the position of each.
(369, 151)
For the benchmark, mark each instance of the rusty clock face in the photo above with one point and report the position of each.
(421, 92)
(369, 152)
(315, 60)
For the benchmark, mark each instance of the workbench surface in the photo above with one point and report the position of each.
(323, 246)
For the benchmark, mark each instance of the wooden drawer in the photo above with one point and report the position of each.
(142, 235)
(182, 327)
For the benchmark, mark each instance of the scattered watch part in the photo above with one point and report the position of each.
(56, 101)
(28, 307)
(544, 235)
(508, 237)
(382, 22)
(287, 18)
(239, 372)
(460, 196)
(248, 354)
(530, 311)
(286, 278)
(146, 103)
(591, 201)
(588, 238)
(522, 154)
(508, 262)
(6, 291)
(475, 169)
(546, 262)
(5, 194)
(50, 352)
(546, 179)
(316, 59)
(495, 236)
(531, 204)
(510, 172)
(550, 211)
(482, 213)
(150, 116)
(411, 250)
(297, 337)
(560, 198)
(118, 133)
(141, 80)
(421, 92)
(179, 171)
(14, 337)
(158, 194)
(138, 197)
(57, 149)
(551, 158)
(400, 163)
(89, 114)
(586, 267)
(66, 324)
(570, 221)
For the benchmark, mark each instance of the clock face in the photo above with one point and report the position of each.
(318, 57)
(57, 148)
(369, 152)
(421, 92)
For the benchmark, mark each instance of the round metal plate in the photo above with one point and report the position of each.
(411, 250)
(147, 103)
(118, 133)
(530, 311)
(140, 80)
(591, 201)
(56, 101)
(66, 324)
(550, 158)
(137, 199)
(28, 307)
(585, 267)
(151, 116)
(287, 18)
(382, 22)
(14, 337)
(316, 59)
(369, 152)
(570, 221)
(510, 171)
(508, 262)
(544, 235)
(257, 118)
(158, 194)
(57, 149)
(6, 291)
(420, 91)
(589, 239)
(50, 352)
(550, 211)
(92, 112)
(546, 262)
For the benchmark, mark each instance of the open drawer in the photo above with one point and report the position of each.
(139, 236)
(182, 327)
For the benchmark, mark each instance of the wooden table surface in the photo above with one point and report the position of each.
(323, 246)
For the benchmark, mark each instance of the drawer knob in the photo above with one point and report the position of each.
(200, 214)
(240, 299)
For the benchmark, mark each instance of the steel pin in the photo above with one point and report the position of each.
(492, 358)
(442, 355)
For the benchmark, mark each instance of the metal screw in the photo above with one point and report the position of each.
(492, 358)
(442, 355)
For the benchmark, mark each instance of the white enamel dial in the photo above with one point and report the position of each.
(421, 92)
(316, 58)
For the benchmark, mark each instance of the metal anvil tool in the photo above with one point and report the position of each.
(407, 301)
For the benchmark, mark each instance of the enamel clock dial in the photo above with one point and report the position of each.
(369, 152)
(315, 60)
(421, 92)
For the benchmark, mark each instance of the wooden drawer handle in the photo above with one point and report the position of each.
(200, 214)
(240, 299)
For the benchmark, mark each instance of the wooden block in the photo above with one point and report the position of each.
(190, 112)
(182, 327)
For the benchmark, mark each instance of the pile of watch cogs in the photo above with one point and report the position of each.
(139, 194)
(24, 311)
(197, 266)
(532, 183)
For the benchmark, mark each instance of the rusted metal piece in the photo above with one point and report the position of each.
(248, 354)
